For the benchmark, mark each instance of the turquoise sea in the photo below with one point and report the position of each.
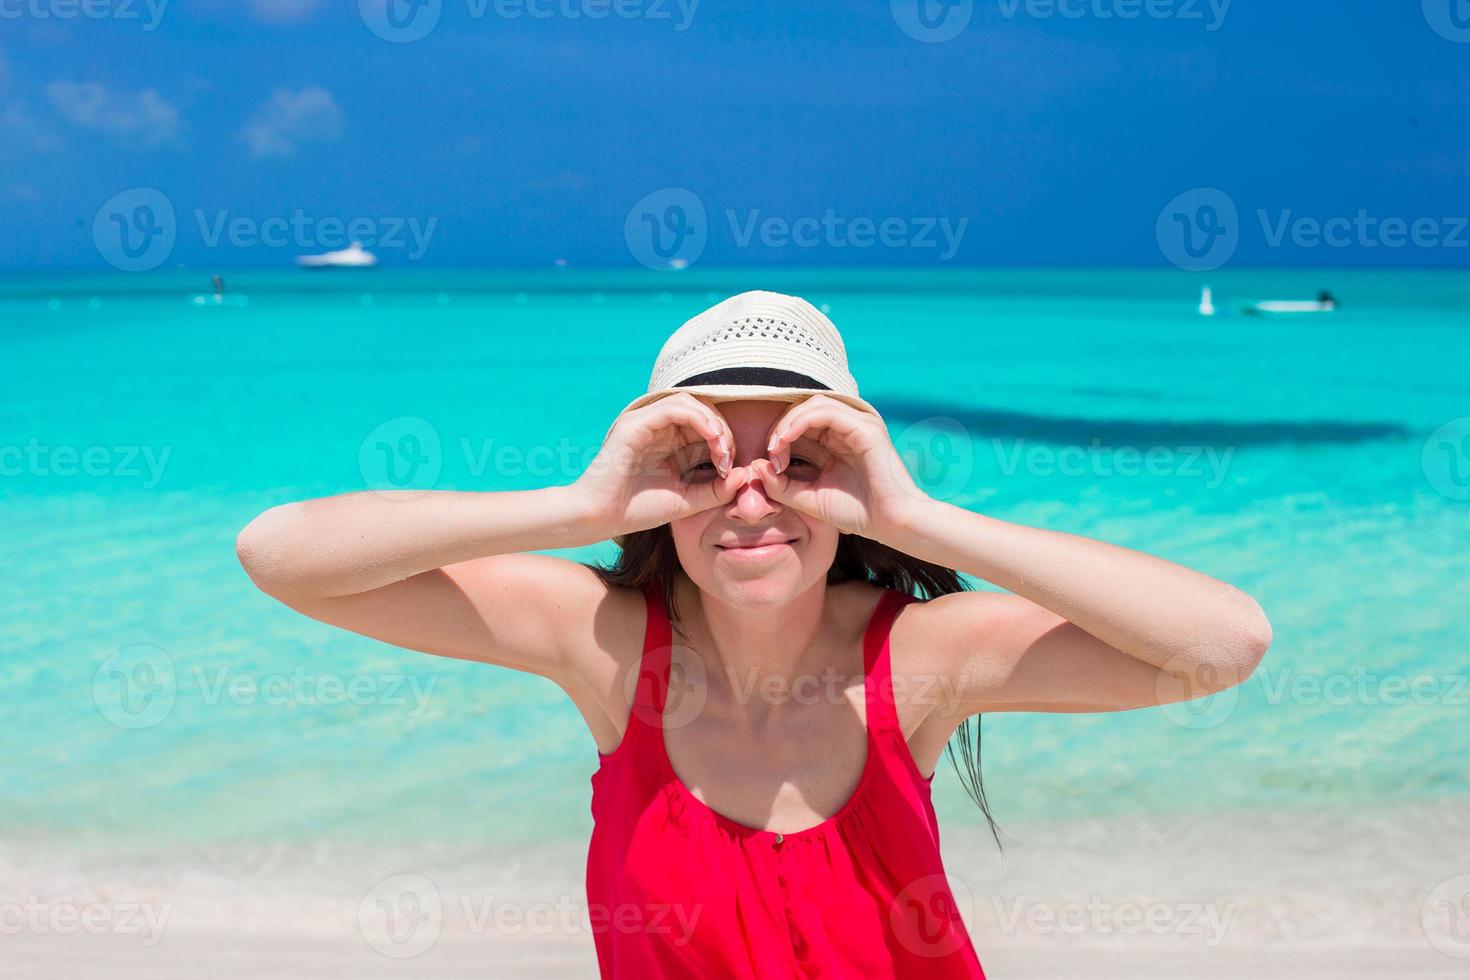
(158, 706)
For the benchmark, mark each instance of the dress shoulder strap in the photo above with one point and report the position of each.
(877, 666)
(652, 686)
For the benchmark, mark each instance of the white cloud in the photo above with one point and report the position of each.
(289, 119)
(284, 11)
(133, 117)
(20, 129)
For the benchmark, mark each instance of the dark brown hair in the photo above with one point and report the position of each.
(648, 557)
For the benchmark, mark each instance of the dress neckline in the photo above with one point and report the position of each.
(874, 649)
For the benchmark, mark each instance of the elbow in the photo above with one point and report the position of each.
(261, 547)
(1242, 644)
(1225, 653)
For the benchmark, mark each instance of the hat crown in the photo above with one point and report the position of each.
(756, 330)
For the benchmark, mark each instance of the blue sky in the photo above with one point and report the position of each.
(514, 133)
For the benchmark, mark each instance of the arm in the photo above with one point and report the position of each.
(1089, 627)
(437, 572)
(443, 572)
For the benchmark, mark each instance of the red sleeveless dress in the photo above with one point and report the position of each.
(677, 890)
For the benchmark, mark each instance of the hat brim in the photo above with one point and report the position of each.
(732, 393)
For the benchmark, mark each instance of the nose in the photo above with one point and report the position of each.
(751, 505)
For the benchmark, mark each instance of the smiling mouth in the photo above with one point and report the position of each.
(754, 550)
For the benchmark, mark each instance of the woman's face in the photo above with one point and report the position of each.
(754, 551)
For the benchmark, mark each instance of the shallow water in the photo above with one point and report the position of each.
(158, 701)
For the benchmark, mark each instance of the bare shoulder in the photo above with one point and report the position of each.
(603, 655)
(940, 651)
(927, 636)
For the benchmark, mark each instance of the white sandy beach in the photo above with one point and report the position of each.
(265, 958)
(1294, 894)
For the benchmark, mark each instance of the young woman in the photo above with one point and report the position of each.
(768, 699)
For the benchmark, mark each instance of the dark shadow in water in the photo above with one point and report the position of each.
(1076, 431)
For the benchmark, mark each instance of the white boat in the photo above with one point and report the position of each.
(1324, 303)
(352, 257)
(1206, 302)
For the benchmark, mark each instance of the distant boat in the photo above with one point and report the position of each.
(352, 257)
(1324, 303)
(1206, 302)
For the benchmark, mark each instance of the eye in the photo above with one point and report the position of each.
(701, 472)
(802, 468)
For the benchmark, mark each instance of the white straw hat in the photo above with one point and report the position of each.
(756, 345)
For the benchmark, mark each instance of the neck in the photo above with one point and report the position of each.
(763, 643)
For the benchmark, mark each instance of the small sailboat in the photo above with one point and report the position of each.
(352, 257)
(1206, 302)
(1324, 303)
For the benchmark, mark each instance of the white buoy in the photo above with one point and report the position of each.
(1206, 302)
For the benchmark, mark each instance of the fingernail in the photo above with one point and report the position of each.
(776, 465)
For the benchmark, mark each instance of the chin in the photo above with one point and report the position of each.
(746, 582)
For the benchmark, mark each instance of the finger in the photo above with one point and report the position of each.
(813, 414)
(771, 479)
(716, 493)
(780, 488)
(686, 410)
